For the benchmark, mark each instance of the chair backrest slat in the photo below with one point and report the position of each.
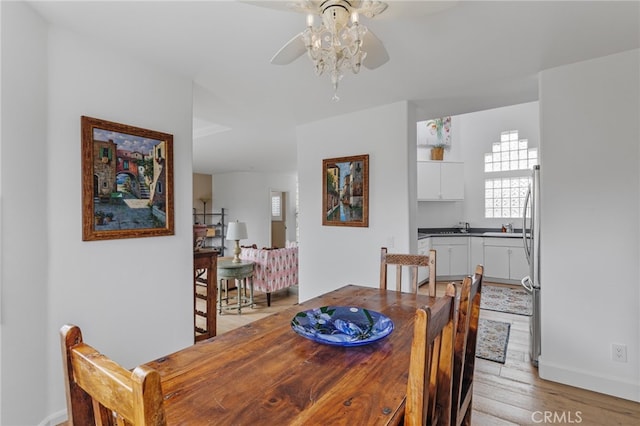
(107, 382)
(430, 368)
(101, 392)
(465, 347)
(412, 262)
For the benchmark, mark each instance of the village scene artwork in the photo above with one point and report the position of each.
(129, 181)
(345, 195)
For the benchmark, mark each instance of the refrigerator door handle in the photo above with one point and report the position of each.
(527, 251)
(527, 284)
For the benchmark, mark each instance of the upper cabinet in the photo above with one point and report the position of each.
(440, 180)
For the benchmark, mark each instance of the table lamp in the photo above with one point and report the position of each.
(237, 231)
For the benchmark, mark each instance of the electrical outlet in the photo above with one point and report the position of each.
(619, 352)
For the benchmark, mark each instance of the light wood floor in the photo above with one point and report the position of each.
(509, 394)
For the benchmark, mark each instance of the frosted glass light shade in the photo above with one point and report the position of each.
(237, 231)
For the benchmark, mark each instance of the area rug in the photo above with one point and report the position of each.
(506, 299)
(492, 340)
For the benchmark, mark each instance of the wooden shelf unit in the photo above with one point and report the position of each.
(216, 228)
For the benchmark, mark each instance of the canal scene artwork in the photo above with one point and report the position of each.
(345, 191)
(127, 181)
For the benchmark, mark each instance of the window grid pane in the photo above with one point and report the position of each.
(511, 153)
(504, 198)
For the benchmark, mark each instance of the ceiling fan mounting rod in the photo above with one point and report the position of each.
(327, 4)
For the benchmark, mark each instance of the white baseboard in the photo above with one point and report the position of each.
(617, 387)
(54, 419)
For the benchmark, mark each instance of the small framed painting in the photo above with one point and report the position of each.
(345, 191)
(127, 181)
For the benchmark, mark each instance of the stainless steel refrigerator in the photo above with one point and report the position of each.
(531, 239)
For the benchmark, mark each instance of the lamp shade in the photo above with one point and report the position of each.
(237, 231)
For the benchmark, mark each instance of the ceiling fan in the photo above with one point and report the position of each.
(339, 42)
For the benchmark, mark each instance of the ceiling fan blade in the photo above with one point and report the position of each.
(370, 8)
(305, 6)
(290, 51)
(302, 6)
(376, 53)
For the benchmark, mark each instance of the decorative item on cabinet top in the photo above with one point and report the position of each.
(437, 153)
(437, 136)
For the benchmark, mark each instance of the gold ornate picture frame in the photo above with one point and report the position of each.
(127, 181)
(345, 191)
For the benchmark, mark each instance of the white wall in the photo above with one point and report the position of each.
(590, 223)
(132, 298)
(332, 256)
(24, 232)
(472, 135)
(247, 198)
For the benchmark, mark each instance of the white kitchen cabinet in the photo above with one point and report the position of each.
(496, 262)
(504, 259)
(476, 253)
(452, 256)
(428, 180)
(452, 181)
(518, 265)
(440, 180)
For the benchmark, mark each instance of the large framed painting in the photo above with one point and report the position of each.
(345, 191)
(127, 181)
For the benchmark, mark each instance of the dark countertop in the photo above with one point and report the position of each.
(473, 232)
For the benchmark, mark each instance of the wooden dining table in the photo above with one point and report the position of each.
(264, 373)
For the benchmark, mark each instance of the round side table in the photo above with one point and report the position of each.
(242, 273)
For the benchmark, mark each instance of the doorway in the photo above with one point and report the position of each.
(278, 219)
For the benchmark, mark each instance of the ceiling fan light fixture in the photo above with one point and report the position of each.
(339, 43)
(335, 45)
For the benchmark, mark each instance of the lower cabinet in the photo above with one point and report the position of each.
(504, 259)
(496, 262)
(452, 256)
(518, 265)
(476, 251)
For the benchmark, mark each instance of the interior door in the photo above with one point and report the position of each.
(278, 219)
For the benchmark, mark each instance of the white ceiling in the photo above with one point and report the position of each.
(473, 55)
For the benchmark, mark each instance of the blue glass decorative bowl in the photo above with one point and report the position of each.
(342, 325)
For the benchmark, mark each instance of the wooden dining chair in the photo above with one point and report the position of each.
(101, 392)
(465, 348)
(430, 367)
(412, 262)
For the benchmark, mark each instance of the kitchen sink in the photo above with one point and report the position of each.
(503, 234)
